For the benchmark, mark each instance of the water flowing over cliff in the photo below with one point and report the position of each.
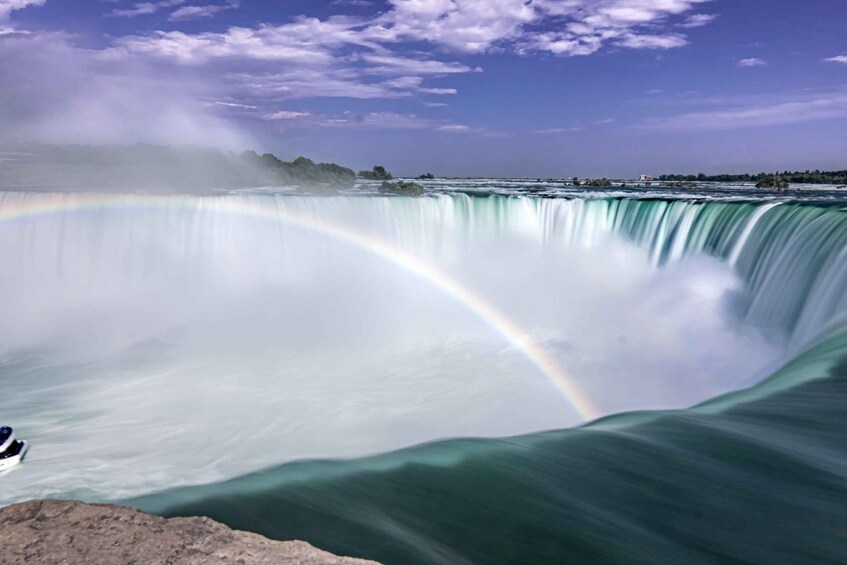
(167, 341)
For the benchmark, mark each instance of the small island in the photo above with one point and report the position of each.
(775, 182)
(405, 188)
(591, 183)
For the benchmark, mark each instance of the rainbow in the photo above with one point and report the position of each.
(62, 203)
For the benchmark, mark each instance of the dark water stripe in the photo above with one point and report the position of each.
(764, 482)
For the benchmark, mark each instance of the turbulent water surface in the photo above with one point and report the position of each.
(153, 343)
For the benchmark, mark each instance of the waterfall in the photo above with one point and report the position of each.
(788, 255)
(341, 326)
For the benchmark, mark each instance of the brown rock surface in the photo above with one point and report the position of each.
(68, 532)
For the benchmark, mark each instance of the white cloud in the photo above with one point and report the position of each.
(311, 58)
(556, 131)
(139, 9)
(236, 105)
(302, 81)
(144, 8)
(257, 69)
(198, 12)
(668, 41)
(286, 115)
(453, 127)
(698, 20)
(304, 39)
(369, 121)
(588, 25)
(751, 62)
(362, 57)
(838, 59)
(386, 63)
(774, 114)
(392, 120)
(8, 6)
(574, 27)
(461, 25)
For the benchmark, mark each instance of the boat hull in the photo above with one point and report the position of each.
(19, 449)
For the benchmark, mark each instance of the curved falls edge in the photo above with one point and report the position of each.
(757, 475)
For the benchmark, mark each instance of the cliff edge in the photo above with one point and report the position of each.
(69, 532)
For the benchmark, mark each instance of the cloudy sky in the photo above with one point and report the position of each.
(458, 87)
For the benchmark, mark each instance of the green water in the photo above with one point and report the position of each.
(764, 482)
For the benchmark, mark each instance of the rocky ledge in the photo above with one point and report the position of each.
(68, 532)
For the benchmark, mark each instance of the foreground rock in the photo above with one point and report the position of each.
(58, 531)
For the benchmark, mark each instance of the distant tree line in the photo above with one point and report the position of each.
(795, 177)
(302, 170)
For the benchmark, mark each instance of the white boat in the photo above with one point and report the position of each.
(12, 451)
(7, 436)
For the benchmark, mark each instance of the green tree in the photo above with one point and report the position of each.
(377, 173)
(402, 187)
(773, 181)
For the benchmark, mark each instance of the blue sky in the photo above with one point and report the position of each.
(456, 87)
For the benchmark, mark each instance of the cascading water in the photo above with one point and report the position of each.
(156, 341)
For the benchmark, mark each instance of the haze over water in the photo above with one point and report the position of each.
(148, 329)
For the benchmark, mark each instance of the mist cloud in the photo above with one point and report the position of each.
(62, 93)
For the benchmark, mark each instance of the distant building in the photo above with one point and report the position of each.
(646, 178)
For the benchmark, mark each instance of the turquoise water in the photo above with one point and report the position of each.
(760, 483)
